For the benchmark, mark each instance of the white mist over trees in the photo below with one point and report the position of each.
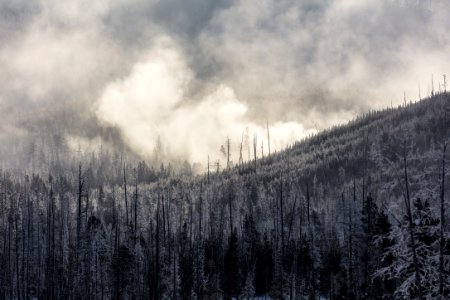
(135, 160)
(151, 104)
(359, 211)
(303, 64)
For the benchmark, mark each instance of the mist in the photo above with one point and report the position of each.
(191, 75)
(151, 105)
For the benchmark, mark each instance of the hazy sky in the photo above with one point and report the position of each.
(193, 72)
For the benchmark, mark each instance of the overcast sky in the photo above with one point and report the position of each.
(193, 72)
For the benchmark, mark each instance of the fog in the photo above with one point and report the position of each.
(152, 104)
(194, 73)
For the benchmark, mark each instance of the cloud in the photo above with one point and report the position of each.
(326, 56)
(150, 105)
(169, 68)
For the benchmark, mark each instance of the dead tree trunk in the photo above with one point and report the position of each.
(126, 196)
(411, 224)
(157, 267)
(268, 137)
(228, 153)
(230, 206)
(255, 142)
(442, 240)
(308, 203)
(80, 197)
(135, 206)
(293, 217)
(199, 248)
(282, 218)
(241, 160)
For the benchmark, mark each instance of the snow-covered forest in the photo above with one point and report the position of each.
(359, 211)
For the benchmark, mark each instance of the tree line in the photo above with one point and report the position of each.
(355, 213)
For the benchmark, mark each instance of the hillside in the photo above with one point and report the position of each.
(354, 212)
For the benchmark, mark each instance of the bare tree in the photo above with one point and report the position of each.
(228, 152)
(442, 240)
(268, 136)
(240, 151)
(255, 143)
(125, 194)
(445, 83)
(135, 205)
(411, 222)
(432, 85)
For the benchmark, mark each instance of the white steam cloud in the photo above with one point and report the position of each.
(194, 72)
(151, 104)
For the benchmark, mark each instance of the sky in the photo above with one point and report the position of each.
(193, 73)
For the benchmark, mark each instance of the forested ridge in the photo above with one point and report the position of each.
(359, 211)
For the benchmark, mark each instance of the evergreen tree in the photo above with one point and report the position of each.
(264, 268)
(426, 233)
(186, 266)
(231, 275)
(248, 290)
(122, 267)
(368, 259)
(331, 273)
(305, 266)
(383, 257)
(250, 245)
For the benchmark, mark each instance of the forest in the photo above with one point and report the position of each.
(358, 211)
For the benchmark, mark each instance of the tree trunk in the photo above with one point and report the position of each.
(442, 240)
(126, 196)
(411, 226)
(308, 203)
(135, 208)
